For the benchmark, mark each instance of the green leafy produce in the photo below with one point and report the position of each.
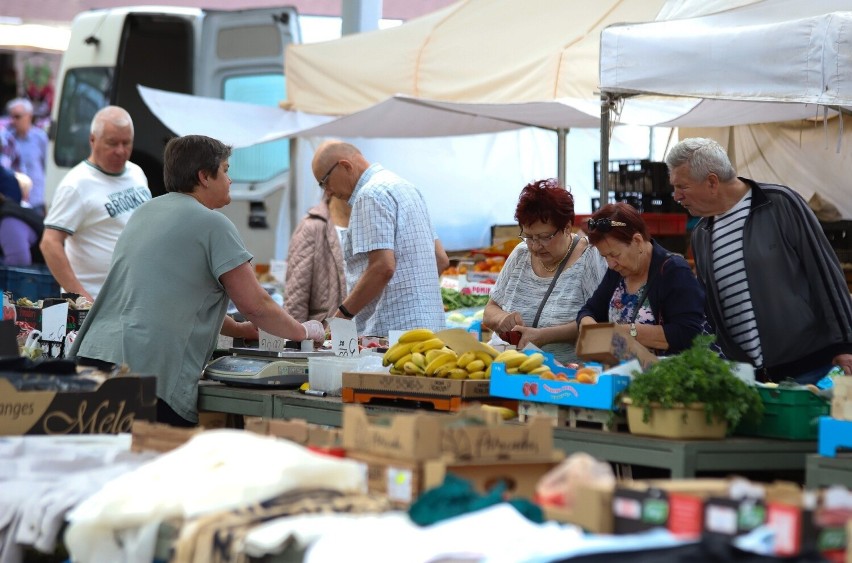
(454, 299)
(696, 375)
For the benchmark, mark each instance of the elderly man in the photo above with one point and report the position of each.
(775, 292)
(92, 204)
(31, 143)
(390, 247)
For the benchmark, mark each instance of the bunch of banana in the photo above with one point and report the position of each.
(519, 363)
(472, 365)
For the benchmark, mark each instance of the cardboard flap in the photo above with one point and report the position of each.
(461, 341)
(611, 344)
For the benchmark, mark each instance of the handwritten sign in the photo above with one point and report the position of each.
(270, 343)
(344, 337)
(54, 322)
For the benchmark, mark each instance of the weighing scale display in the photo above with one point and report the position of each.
(240, 370)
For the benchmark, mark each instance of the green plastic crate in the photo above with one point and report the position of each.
(790, 414)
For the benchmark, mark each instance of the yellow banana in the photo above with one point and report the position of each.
(432, 354)
(508, 354)
(485, 357)
(416, 335)
(411, 368)
(419, 360)
(401, 362)
(475, 365)
(458, 373)
(505, 412)
(431, 344)
(396, 371)
(466, 358)
(445, 369)
(395, 352)
(477, 375)
(439, 361)
(488, 372)
(491, 351)
(512, 371)
(533, 361)
(539, 370)
(516, 360)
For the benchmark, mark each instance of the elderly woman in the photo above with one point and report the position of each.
(175, 267)
(548, 277)
(647, 288)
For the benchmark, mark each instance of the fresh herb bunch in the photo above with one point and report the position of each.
(696, 375)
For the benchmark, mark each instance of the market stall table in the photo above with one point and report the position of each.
(823, 471)
(683, 458)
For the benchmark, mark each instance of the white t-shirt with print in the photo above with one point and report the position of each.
(93, 207)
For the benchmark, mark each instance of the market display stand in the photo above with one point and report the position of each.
(822, 471)
(683, 458)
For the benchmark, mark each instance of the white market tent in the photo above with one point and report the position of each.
(751, 65)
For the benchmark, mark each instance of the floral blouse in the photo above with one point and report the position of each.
(623, 303)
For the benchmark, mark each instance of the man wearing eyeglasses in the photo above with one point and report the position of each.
(390, 247)
(31, 143)
(775, 292)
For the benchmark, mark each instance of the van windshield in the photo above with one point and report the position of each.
(84, 92)
(266, 160)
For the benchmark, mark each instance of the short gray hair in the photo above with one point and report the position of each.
(704, 156)
(110, 114)
(23, 102)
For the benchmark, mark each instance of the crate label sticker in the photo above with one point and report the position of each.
(721, 519)
(627, 508)
(54, 321)
(344, 337)
(399, 484)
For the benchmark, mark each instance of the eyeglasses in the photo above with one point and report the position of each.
(604, 225)
(324, 180)
(16, 115)
(539, 239)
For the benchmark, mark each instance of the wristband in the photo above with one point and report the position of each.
(345, 311)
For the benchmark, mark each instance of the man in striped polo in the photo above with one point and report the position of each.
(776, 294)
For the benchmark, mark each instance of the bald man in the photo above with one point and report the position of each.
(390, 248)
(92, 204)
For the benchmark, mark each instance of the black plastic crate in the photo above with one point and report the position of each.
(642, 176)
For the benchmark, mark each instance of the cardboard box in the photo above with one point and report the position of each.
(297, 430)
(111, 408)
(403, 436)
(403, 481)
(841, 402)
(676, 504)
(157, 437)
(414, 385)
(592, 509)
(611, 344)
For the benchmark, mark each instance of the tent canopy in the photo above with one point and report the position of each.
(794, 51)
(479, 51)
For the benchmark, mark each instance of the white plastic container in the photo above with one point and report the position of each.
(325, 373)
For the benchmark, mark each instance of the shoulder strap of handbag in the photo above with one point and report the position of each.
(553, 280)
(644, 295)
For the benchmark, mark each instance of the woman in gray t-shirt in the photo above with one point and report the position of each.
(545, 213)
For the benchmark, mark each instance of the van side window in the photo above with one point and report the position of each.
(266, 160)
(84, 92)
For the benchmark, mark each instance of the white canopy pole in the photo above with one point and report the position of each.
(604, 166)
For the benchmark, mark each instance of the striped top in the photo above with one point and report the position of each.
(732, 282)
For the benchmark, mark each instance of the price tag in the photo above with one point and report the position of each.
(270, 343)
(278, 270)
(344, 337)
(400, 482)
(54, 322)
(225, 342)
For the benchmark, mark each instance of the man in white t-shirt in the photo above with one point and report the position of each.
(92, 204)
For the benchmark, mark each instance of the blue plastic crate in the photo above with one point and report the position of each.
(32, 282)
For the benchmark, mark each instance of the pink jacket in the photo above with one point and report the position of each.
(315, 284)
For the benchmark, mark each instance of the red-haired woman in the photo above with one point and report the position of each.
(548, 277)
(647, 288)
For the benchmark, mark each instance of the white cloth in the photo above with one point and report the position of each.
(93, 207)
(215, 470)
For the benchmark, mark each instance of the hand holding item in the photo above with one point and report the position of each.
(314, 331)
(508, 322)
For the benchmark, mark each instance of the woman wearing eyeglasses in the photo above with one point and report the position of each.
(647, 288)
(548, 277)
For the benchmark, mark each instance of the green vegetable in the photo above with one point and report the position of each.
(696, 375)
(454, 299)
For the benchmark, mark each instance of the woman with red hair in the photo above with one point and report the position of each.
(548, 277)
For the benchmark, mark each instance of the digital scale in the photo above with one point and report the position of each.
(251, 367)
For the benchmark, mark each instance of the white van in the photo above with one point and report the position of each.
(233, 55)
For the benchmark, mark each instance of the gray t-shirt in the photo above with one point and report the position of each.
(520, 289)
(162, 306)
